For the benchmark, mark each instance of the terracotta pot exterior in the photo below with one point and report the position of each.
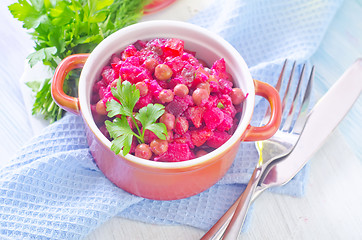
(160, 180)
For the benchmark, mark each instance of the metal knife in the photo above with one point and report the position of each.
(322, 120)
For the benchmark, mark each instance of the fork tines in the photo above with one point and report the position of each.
(296, 113)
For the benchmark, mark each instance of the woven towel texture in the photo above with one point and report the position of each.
(54, 190)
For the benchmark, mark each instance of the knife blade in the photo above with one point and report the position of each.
(322, 120)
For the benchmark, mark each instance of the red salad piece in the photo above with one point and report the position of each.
(173, 47)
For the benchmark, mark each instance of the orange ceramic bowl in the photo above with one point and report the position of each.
(165, 180)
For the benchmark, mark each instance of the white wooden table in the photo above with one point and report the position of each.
(332, 207)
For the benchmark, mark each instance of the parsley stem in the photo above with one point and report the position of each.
(140, 136)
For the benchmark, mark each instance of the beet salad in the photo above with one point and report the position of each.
(158, 101)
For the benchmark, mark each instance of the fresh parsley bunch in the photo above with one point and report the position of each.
(64, 27)
(120, 130)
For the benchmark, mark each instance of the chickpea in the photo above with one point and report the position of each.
(169, 120)
(198, 95)
(166, 95)
(212, 78)
(159, 146)
(101, 108)
(163, 72)
(143, 151)
(181, 90)
(114, 83)
(237, 96)
(169, 137)
(142, 87)
(208, 70)
(204, 85)
(150, 64)
(201, 153)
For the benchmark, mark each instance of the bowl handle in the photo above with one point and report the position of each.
(264, 132)
(68, 103)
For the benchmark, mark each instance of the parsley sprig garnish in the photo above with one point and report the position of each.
(120, 130)
(60, 28)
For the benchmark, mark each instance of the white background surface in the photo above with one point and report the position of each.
(332, 207)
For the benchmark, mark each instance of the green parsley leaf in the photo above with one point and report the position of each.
(148, 116)
(128, 95)
(122, 134)
(33, 85)
(45, 55)
(64, 27)
(31, 14)
(119, 130)
(220, 105)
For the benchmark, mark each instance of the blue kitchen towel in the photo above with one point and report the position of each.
(52, 189)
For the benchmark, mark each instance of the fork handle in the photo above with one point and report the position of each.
(233, 230)
(239, 209)
(217, 231)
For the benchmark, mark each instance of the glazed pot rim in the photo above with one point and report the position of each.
(174, 27)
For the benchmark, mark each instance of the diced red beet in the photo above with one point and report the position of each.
(149, 136)
(200, 136)
(176, 152)
(133, 74)
(115, 59)
(153, 87)
(128, 52)
(217, 139)
(201, 76)
(219, 66)
(155, 46)
(214, 86)
(229, 110)
(195, 115)
(139, 44)
(102, 92)
(133, 145)
(163, 84)
(211, 102)
(188, 73)
(191, 59)
(225, 86)
(226, 124)
(108, 74)
(143, 101)
(179, 105)
(174, 81)
(175, 63)
(135, 61)
(225, 99)
(213, 117)
(185, 138)
(173, 47)
(219, 69)
(181, 125)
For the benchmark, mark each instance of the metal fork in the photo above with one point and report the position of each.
(270, 152)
